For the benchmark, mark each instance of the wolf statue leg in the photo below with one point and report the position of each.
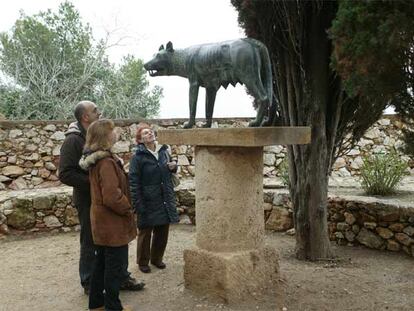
(193, 104)
(273, 118)
(210, 99)
(256, 89)
(260, 113)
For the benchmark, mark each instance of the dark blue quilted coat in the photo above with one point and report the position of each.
(152, 191)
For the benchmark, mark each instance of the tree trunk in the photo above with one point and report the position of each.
(309, 198)
(309, 94)
(311, 162)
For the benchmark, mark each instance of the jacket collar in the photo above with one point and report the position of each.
(89, 159)
(76, 128)
(142, 149)
(82, 129)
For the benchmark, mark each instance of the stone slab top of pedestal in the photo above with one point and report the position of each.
(237, 137)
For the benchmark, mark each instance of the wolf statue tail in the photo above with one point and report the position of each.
(266, 72)
(267, 79)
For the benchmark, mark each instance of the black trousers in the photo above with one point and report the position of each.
(87, 248)
(106, 278)
(152, 250)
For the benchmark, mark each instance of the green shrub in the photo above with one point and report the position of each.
(381, 173)
(284, 171)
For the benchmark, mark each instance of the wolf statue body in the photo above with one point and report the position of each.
(212, 65)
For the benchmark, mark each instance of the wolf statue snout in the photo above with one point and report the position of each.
(157, 67)
(245, 61)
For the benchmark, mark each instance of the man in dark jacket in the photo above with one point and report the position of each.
(71, 174)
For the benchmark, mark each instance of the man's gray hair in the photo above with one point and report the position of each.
(80, 109)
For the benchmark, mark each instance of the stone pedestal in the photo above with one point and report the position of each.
(230, 260)
(231, 276)
(229, 196)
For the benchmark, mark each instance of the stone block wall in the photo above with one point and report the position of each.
(352, 220)
(28, 211)
(385, 135)
(371, 222)
(30, 150)
(51, 210)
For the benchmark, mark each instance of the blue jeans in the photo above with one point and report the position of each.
(109, 262)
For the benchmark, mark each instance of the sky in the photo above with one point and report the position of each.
(140, 27)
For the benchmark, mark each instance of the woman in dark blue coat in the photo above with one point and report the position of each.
(153, 197)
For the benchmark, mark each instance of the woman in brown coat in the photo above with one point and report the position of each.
(112, 218)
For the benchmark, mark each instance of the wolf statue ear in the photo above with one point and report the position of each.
(161, 48)
(170, 47)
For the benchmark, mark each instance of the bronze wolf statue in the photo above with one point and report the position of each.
(212, 65)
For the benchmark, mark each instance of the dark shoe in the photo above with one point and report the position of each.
(145, 269)
(132, 284)
(160, 265)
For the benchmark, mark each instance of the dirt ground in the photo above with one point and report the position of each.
(40, 273)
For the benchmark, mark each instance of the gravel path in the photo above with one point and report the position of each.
(40, 273)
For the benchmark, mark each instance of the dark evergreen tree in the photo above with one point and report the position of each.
(374, 54)
(310, 92)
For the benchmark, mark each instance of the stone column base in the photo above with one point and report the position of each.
(234, 276)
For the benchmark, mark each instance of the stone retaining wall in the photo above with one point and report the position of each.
(30, 150)
(28, 211)
(51, 209)
(352, 220)
(372, 222)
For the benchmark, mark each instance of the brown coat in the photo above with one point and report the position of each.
(112, 219)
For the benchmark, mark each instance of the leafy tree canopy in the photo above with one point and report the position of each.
(50, 61)
(125, 92)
